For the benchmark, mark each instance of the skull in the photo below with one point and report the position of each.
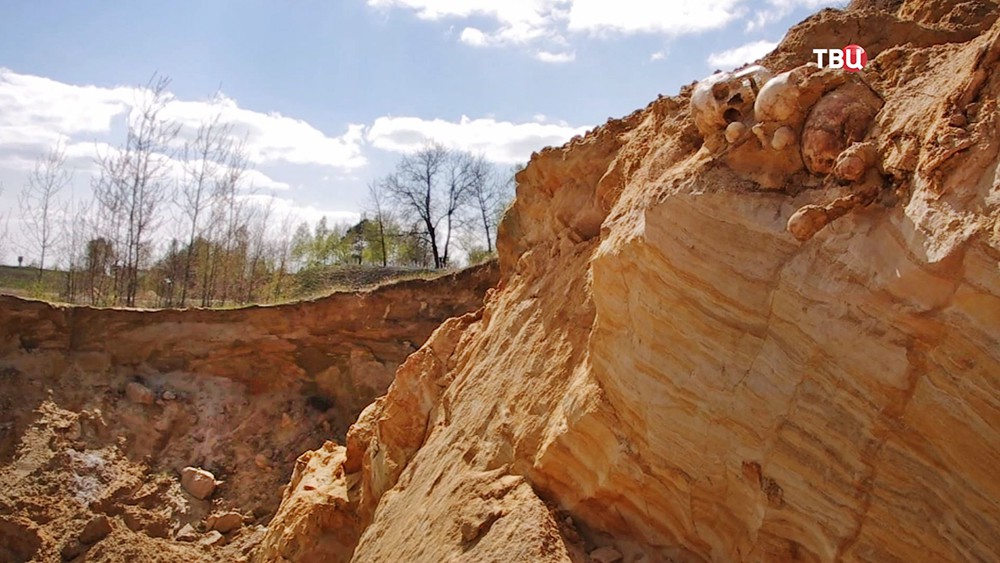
(725, 98)
(840, 118)
(784, 101)
(780, 100)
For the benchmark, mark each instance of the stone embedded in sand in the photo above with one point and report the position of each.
(187, 533)
(212, 538)
(606, 554)
(197, 482)
(225, 522)
(96, 530)
(261, 461)
(139, 393)
(71, 550)
(169, 396)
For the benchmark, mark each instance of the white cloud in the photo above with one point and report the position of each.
(520, 20)
(257, 180)
(642, 16)
(283, 209)
(737, 56)
(555, 58)
(37, 113)
(658, 56)
(777, 9)
(272, 137)
(474, 37)
(38, 106)
(500, 141)
(544, 25)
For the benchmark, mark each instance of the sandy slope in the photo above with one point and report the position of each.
(665, 373)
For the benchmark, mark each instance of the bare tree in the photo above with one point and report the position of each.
(202, 166)
(99, 260)
(133, 184)
(39, 203)
(231, 216)
(488, 192)
(415, 189)
(463, 172)
(257, 248)
(432, 186)
(4, 221)
(381, 216)
(74, 237)
(282, 248)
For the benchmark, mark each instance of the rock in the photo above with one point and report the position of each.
(96, 530)
(162, 424)
(72, 550)
(212, 538)
(75, 431)
(139, 393)
(225, 522)
(261, 461)
(606, 554)
(169, 396)
(132, 519)
(187, 533)
(301, 519)
(199, 483)
(158, 527)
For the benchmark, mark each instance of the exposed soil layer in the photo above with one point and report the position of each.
(101, 410)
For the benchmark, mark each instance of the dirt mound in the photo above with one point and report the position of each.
(758, 321)
(102, 411)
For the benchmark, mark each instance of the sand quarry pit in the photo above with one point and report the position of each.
(720, 330)
(169, 435)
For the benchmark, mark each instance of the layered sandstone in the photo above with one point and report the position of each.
(665, 371)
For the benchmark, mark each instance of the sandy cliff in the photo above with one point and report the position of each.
(714, 342)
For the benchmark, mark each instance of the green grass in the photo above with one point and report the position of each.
(321, 282)
(24, 282)
(305, 285)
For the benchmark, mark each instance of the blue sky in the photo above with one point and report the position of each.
(332, 93)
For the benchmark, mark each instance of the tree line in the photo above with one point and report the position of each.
(170, 222)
